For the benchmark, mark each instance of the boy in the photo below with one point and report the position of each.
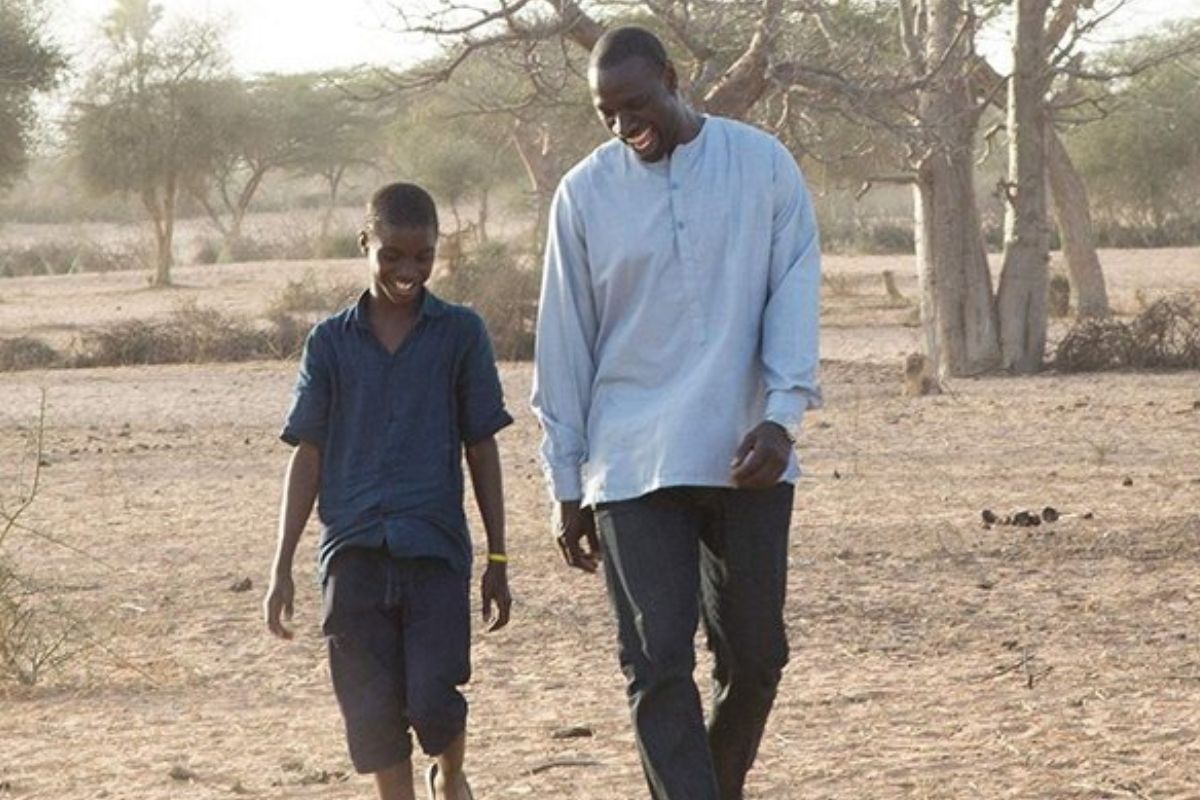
(390, 391)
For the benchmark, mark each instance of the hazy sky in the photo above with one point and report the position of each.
(275, 35)
(299, 35)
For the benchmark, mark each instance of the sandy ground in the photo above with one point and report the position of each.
(932, 658)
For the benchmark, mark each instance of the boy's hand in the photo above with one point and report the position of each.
(494, 588)
(278, 602)
(575, 532)
(761, 458)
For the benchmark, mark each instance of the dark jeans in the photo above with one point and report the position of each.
(399, 639)
(671, 557)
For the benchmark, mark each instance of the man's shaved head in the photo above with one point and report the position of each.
(621, 44)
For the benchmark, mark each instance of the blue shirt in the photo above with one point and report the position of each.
(680, 308)
(391, 428)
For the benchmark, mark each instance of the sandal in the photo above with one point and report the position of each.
(431, 775)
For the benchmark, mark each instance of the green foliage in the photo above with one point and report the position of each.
(332, 127)
(151, 141)
(29, 63)
(145, 124)
(1142, 161)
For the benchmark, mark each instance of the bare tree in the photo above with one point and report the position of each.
(782, 62)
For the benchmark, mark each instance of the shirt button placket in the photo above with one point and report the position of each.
(686, 254)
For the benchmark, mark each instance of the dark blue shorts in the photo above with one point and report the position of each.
(399, 638)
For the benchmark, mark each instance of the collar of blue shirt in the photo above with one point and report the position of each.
(431, 306)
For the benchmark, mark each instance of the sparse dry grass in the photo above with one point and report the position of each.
(931, 657)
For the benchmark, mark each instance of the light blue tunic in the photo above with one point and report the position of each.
(680, 308)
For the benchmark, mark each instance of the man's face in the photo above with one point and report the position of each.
(401, 259)
(636, 101)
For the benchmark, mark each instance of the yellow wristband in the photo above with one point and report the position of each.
(497, 558)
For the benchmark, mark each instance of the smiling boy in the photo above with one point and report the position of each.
(391, 392)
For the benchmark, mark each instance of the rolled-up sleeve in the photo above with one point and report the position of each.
(481, 411)
(564, 364)
(791, 320)
(308, 418)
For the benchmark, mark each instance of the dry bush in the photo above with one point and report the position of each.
(502, 286)
(286, 334)
(342, 245)
(1094, 345)
(34, 636)
(192, 335)
(1164, 336)
(312, 294)
(24, 352)
(213, 250)
(60, 258)
(1167, 334)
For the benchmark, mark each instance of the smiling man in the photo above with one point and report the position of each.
(676, 356)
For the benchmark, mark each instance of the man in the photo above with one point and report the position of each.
(676, 356)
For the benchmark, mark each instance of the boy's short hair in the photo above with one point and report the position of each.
(630, 41)
(404, 205)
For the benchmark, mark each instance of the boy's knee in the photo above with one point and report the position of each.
(376, 744)
(437, 718)
(437, 734)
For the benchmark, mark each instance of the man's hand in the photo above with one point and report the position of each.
(277, 603)
(494, 589)
(575, 532)
(762, 457)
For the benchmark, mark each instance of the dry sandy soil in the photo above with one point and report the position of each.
(932, 658)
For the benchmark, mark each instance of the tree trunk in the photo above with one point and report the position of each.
(166, 260)
(335, 182)
(540, 172)
(482, 218)
(1072, 211)
(1025, 276)
(237, 215)
(159, 217)
(957, 310)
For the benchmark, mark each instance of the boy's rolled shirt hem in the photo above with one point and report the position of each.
(495, 423)
(294, 436)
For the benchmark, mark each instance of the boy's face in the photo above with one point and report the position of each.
(401, 259)
(637, 102)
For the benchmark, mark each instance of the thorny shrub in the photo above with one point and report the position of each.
(1166, 335)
